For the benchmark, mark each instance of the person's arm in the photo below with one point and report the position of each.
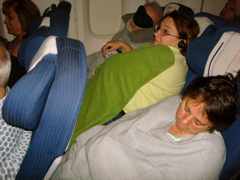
(114, 45)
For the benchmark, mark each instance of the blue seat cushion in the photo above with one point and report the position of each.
(199, 50)
(232, 140)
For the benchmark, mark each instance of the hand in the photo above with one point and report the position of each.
(114, 45)
(110, 46)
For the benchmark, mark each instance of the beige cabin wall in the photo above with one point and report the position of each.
(79, 27)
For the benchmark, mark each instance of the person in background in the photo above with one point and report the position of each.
(19, 15)
(231, 11)
(14, 141)
(143, 20)
(141, 77)
(177, 138)
(146, 16)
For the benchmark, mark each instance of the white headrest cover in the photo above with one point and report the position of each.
(48, 47)
(225, 56)
(45, 22)
(203, 23)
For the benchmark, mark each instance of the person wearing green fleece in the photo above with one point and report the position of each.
(138, 78)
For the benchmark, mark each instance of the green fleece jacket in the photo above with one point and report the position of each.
(116, 81)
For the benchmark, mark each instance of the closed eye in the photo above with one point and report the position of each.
(197, 122)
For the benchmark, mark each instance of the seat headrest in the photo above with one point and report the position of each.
(206, 25)
(179, 7)
(218, 22)
(48, 46)
(199, 50)
(212, 48)
(54, 22)
(25, 102)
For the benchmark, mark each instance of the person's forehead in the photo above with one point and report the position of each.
(168, 20)
(149, 11)
(197, 108)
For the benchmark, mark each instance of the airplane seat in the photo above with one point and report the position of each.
(54, 22)
(35, 85)
(47, 100)
(178, 7)
(47, 13)
(218, 22)
(59, 21)
(214, 54)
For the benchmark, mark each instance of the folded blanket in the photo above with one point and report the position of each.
(117, 80)
(138, 146)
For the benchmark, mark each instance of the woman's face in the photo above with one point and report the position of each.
(190, 118)
(12, 23)
(168, 26)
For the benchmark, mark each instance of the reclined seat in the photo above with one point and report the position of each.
(47, 101)
(213, 54)
(54, 22)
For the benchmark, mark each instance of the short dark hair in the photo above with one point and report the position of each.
(219, 95)
(26, 10)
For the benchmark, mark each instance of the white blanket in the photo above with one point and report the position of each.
(138, 147)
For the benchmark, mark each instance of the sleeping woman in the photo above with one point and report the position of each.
(177, 138)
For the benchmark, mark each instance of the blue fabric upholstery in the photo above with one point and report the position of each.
(56, 86)
(47, 99)
(31, 49)
(219, 22)
(232, 141)
(209, 30)
(28, 55)
(59, 23)
(20, 107)
(197, 55)
(199, 50)
(190, 76)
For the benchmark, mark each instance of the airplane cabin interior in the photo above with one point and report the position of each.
(47, 100)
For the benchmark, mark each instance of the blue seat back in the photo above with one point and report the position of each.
(56, 85)
(54, 22)
(197, 56)
(31, 88)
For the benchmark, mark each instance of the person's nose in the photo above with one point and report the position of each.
(156, 33)
(186, 119)
(5, 20)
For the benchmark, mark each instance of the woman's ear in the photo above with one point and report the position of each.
(182, 44)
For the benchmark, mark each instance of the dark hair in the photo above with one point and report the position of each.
(187, 27)
(26, 10)
(219, 95)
